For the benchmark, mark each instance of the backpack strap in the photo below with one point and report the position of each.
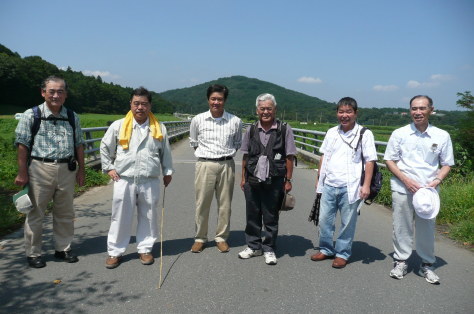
(361, 151)
(72, 122)
(35, 126)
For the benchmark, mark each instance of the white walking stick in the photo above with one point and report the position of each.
(161, 236)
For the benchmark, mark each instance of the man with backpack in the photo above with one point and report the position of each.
(50, 159)
(267, 169)
(344, 150)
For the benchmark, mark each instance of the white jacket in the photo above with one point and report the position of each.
(143, 160)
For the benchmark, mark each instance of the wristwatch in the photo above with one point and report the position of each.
(288, 180)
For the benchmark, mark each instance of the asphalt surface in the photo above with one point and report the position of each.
(221, 282)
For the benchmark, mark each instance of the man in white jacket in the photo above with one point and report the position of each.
(134, 151)
(339, 181)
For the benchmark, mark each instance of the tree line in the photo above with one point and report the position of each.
(20, 81)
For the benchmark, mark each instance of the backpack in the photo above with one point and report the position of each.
(377, 178)
(37, 121)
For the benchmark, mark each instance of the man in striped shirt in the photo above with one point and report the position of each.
(215, 135)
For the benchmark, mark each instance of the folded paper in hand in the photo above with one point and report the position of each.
(22, 200)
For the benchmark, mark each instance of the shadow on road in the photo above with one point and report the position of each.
(365, 253)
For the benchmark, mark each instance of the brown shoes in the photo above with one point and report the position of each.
(146, 258)
(339, 262)
(197, 247)
(320, 257)
(112, 261)
(223, 247)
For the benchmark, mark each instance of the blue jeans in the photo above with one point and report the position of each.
(332, 200)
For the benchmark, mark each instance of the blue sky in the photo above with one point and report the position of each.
(379, 52)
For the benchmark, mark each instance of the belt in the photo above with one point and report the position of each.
(216, 159)
(56, 161)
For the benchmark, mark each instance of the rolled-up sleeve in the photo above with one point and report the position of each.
(23, 129)
(193, 133)
(446, 157)
(165, 157)
(392, 152)
(369, 150)
(79, 135)
(238, 135)
(108, 147)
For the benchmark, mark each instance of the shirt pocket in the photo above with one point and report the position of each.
(432, 156)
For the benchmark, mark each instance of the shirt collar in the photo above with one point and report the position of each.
(225, 116)
(144, 125)
(354, 131)
(274, 125)
(414, 130)
(46, 112)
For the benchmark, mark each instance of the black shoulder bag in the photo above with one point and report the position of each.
(377, 178)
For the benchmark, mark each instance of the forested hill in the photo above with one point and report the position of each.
(20, 81)
(242, 94)
(291, 105)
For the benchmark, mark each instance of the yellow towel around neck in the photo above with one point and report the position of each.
(127, 126)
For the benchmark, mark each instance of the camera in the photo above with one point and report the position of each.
(71, 164)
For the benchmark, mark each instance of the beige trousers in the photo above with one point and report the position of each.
(214, 177)
(50, 181)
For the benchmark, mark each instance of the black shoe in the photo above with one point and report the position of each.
(66, 256)
(36, 262)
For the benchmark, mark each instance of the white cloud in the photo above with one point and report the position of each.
(385, 88)
(413, 84)
(441, 77)
(435, 80)
(102, 74)
(310, 80)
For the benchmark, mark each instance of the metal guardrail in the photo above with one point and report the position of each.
(175, 129)
(309, 141)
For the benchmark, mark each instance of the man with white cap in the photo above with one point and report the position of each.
(414, 155)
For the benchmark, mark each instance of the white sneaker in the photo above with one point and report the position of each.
(270, 258)
(399, 270)
(248, 253)
(428, 273)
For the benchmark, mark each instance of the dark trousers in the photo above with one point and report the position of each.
(263, 203)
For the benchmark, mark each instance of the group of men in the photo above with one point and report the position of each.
(135, 152)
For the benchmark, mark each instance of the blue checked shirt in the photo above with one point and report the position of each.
(54, 139)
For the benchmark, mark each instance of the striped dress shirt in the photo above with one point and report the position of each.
(215, 138)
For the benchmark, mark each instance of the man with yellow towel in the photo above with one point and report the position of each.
(132, 152)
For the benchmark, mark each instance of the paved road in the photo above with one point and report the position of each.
(221, 283)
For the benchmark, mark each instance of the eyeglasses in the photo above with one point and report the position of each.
(51, 92)
(218, 99)
(138, 103)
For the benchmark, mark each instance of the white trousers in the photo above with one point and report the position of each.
(127, 196)
(405, 220)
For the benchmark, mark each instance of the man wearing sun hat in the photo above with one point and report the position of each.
(414, 155)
